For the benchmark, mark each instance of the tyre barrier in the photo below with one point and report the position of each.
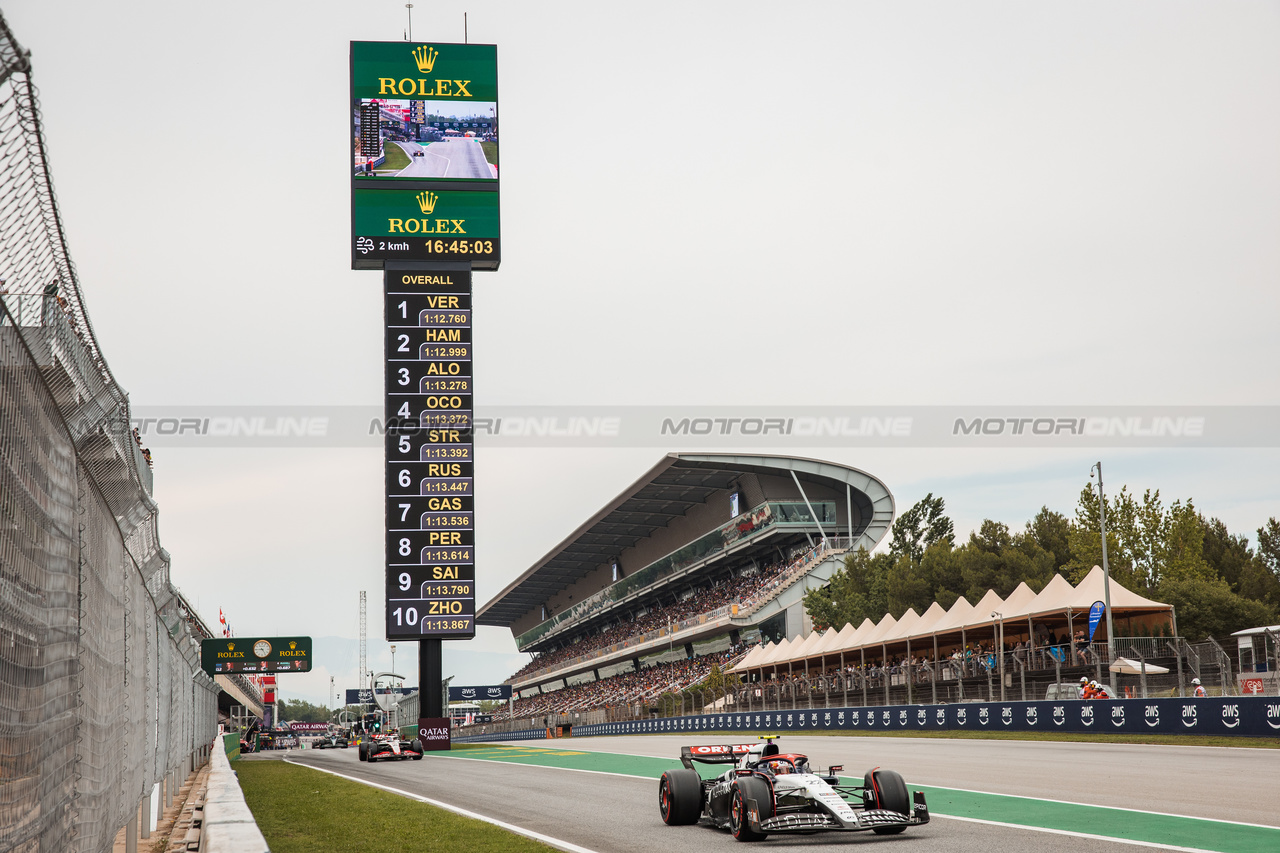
(1234, 716)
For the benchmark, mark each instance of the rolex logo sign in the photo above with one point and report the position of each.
(293, 644)
(425, 57)
(427, 202)
(231, 647)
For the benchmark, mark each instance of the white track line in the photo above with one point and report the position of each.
(1096, 806)
(519, 830)
(1131, 841)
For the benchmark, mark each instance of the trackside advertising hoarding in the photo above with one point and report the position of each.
(424, 167)
(1235, 716)
(365, 697)
(476, 694)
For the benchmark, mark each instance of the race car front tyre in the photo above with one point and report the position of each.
(890, 794)
(749, 788)
(680, 797)
(364, 752)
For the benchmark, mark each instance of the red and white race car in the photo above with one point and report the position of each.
(391, 748)
(768, 790)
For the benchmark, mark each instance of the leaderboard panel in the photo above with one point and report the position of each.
(430, 473)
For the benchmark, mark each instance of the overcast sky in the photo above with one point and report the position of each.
(755, 204)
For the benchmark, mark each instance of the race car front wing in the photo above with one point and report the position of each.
(863, 819)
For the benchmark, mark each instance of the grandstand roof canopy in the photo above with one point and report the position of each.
(666, 492)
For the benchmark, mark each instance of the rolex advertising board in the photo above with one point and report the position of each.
(257, 655)
(425, 153)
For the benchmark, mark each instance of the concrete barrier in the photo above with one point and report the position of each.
(228, 825)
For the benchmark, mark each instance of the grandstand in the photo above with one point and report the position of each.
(701, 558)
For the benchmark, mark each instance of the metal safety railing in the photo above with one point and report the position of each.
(101, 696)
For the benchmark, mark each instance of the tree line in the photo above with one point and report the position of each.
(1216, 581)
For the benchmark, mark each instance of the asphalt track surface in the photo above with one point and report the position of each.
(456, 157)
(614, 811)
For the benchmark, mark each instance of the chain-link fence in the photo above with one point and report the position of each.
(101, 696)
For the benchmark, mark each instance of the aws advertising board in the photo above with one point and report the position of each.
(425, 141)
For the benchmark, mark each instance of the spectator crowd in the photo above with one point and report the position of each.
(622, 689)
(745, 590)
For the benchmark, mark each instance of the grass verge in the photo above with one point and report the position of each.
(396, 158)
(490, 152)
(300, 810)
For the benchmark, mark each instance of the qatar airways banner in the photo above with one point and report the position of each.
(1243, 716)
(434, 732)
(309, 728)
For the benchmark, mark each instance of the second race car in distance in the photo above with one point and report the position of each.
(768, 790)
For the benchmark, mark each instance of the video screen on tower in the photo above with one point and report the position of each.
(424, 167)
(424, 112)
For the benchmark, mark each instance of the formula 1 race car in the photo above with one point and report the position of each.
(768, 790)
(390, 748)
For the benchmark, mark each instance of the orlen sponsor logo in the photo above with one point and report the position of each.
(720, 750)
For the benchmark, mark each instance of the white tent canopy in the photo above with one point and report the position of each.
(1124, 666)
(1022, 608)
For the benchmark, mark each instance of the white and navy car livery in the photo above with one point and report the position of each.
(768, 790)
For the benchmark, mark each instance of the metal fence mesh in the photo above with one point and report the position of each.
(100, 694)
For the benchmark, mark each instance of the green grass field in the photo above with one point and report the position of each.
(490, 152)
(396, 158)
(300, 810)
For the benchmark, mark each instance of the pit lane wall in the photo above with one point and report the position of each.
(1235, 716)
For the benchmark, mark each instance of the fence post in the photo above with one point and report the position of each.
(1142, 662)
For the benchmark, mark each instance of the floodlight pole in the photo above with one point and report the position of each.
(1106, 575)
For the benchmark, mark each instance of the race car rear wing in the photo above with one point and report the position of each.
(713, 754)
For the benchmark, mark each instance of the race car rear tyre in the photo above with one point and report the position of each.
(680, 797)
(890, 794)
(749, 788)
